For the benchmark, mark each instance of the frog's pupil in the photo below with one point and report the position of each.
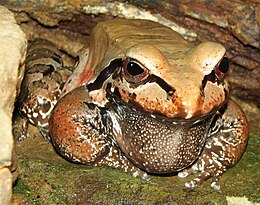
(224, 65)
(134, 69)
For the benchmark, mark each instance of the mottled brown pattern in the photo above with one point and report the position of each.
(42, 83)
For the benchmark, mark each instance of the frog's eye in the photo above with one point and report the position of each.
(223, 66)
(133, 72)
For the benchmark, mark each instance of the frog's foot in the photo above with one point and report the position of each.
(20, 128)
(208, 168)
(116, 159)
(21, 137)
(45, 133)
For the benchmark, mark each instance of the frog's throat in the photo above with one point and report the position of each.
(153, 144)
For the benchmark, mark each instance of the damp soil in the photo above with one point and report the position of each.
(46, 178)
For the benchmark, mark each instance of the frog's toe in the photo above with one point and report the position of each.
(186, 172)
(141, 174)
(217, 175)
(183, 174)
(198, 180)
(20, 138)
(20, 135)
(45, 133)
(146, 177)
(215, 185)
(192, 183)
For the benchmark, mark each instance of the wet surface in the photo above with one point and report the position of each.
(46, 178)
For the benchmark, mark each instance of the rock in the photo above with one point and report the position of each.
(13, 45)
(5, 186)
(235, 24)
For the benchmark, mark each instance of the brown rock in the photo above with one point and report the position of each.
(12, 52)
(234, 23)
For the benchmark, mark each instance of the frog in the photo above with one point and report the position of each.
(144, 100)
(44, 78)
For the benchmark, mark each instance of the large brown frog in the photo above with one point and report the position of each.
(144, 100)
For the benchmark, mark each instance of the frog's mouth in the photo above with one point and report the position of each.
(117, 102)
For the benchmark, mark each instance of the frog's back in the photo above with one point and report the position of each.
(118, 35)
(126, 33)
(112, 39)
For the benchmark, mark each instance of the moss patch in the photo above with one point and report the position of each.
(46, 178)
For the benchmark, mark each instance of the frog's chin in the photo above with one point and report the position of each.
(181, 121)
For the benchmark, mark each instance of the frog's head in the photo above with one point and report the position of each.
(181, 83)
(150, 66)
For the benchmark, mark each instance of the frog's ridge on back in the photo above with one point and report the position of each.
(144, 100)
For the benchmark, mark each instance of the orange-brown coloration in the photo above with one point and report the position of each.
(85, 77)
(66, 130)
(241, 134)
(171, 107)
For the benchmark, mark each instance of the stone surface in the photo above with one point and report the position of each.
(234, 23)
(5, 186)
(12, 52)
